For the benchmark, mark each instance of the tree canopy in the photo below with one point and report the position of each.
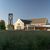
(2, 25)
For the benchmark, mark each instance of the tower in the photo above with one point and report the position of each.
(10, 21)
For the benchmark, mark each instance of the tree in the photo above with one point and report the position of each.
(2, 25)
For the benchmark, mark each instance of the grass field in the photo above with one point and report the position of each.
(24, 40)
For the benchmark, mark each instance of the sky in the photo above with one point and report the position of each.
(24, 9)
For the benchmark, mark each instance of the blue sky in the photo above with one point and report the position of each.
(25, 9)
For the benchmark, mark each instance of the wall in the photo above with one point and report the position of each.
(18, 23)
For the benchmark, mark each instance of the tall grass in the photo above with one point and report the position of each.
(24, 40)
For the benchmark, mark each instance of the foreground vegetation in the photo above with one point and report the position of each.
(24, 40)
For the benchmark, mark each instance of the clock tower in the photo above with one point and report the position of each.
(10, 18)
(10, 21)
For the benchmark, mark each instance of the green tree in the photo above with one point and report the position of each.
(2, 25)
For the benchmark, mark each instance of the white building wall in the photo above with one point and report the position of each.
(18, 22)
(48, 29)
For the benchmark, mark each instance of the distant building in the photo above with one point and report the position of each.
(21, 24)
(38, 23)
(34, 24)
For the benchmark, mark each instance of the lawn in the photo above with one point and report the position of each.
(24, 40)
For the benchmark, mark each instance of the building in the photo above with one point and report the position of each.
(47, 26)
(38, 23)
(21, 24)
(34, 24)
